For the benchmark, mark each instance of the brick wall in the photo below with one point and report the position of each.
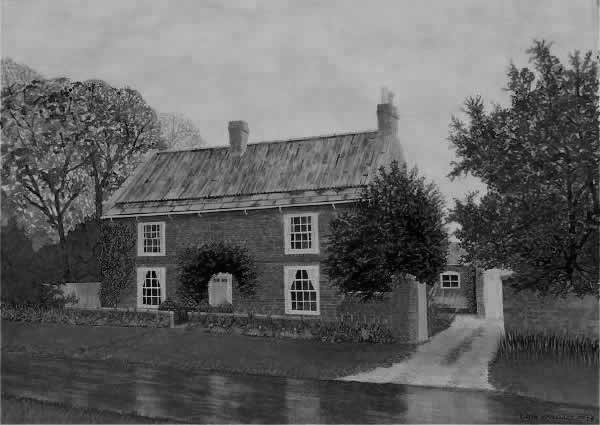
(466, 294)
(525, 311)
(399, 309)
(262, 232)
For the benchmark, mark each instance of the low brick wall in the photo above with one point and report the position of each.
(527, 312)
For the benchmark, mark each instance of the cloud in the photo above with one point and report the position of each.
(299, 68)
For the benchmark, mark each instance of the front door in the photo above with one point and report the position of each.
(219, 289)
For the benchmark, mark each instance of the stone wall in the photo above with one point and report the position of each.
(527, 312)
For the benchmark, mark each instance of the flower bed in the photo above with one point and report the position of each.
(96, 317)
(342, 330)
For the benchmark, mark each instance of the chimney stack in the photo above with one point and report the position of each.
(238, 137)
(387, 116)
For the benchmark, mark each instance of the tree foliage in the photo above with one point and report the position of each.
(115, 260)
(16, 73)
(178, 132)
(45, 148)
(396, 229)
(68, 146)
(539, 157)
(120, 127)
(198, 265)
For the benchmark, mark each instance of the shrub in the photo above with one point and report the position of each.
(69, 316)
(198, 265)
(115, 247)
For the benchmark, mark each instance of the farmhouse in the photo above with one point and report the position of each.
(275, 198)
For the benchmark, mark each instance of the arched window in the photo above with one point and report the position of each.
(151, 290)
(151, 287)
(450, 280)
(302, 290)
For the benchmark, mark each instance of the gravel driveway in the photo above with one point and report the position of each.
(457, 357)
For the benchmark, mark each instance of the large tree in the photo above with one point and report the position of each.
(45, 153)
(540, 158)
(395, 230)
(179, 132)
(35, 224)
(120, 127)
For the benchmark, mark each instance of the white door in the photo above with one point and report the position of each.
(219, 289)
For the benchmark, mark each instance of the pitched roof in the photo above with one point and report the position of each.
(320, 169)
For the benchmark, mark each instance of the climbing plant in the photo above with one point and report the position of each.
(115, 260)
(198, 265)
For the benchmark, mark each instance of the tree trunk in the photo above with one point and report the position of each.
(66, 259)
(98, 202)
(97, 191)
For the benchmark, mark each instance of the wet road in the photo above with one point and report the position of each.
(204, 397)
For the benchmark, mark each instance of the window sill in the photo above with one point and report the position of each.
(151, 254)
(302, 251)
(147, 307)
(303, 313)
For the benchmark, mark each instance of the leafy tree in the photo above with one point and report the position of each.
(179, 132)
(45, 144)
(120, 127)
(36, 226)
(396, 229)
(539, 157)
(16, 73)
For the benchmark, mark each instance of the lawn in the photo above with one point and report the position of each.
(27, 411)
(194, 349)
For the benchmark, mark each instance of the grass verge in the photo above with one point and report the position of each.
(194, 349)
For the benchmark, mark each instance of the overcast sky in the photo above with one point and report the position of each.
(299, 68)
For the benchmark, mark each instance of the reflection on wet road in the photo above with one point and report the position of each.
(204, 397)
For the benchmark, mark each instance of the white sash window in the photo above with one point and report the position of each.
(301, 288)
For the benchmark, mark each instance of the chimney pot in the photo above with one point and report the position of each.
(238, 137)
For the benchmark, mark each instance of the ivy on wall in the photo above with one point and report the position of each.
(115, 259)
(198, 265)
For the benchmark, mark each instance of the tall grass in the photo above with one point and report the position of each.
(541, 345)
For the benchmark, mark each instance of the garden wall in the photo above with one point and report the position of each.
(527, 312)
(404, 310)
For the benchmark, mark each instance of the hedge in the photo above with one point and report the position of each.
(100, 317)
(344, 329)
